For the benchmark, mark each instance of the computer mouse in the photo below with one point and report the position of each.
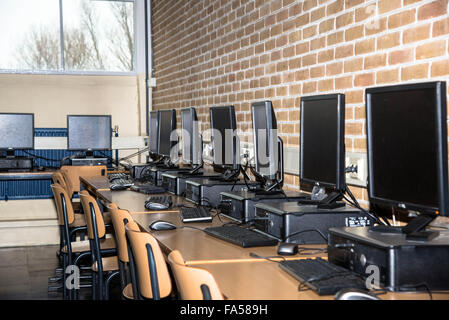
(287, 249)
(354, 294)
(156, 206)
(162, 225)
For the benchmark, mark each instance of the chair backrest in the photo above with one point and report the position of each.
(58, 178)
(193, 283)
(60, 193)
(153, 278)
(72, 175)
(89, 203)
(120, 219)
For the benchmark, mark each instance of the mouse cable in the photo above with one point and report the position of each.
(191, 227)
(269, 258)
(308, 230)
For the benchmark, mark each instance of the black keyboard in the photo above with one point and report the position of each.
(321, 276)
(199, 214)
(120, 184)
(165, 201)
(148, 189)
(240, 236)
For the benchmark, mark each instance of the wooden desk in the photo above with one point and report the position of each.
(197, 247)
(95, 184)
(267, 281)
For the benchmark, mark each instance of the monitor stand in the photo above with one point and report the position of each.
(323, 200)
(414, 230)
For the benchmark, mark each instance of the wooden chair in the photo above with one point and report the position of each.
(72, 175)
(121, 219)
(101, 265)
(72, 252)
(193, 283)
(151, 277)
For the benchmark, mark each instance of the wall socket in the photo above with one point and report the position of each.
(359, 160)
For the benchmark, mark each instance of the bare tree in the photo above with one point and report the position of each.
(76, 50)
(88, 22)
(122, 40)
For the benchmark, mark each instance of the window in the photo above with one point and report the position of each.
(69, 36)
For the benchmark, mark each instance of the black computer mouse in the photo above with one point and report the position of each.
(287, 249)
(354, 294)
(162, 225)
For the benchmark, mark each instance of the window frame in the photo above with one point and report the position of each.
(63, 71)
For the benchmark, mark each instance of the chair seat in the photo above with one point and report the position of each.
(84, 246)
(107, 217)
(128, 292)
(109, 264)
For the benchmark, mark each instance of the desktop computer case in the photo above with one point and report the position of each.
(206, 192)
(176, 183)
(157, 172)
(240, 205)
(284, 220)
(89, 162)
(16, 164)
(402, 264)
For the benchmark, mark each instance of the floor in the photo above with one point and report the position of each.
(24, 274)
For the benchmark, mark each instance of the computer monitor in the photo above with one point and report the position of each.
(167, 124)
(89, 133)
(191, 139)
(322, 149)
(265, 139)
(16, 132)
(154, 132)
(224, 140)
(407, 147)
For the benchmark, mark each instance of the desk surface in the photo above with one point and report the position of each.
(266, 281)
(95, 184)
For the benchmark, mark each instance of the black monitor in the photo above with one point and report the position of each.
(322, 149)
(224, 140)
(407, 148)
(167, 124)
(191, 139)
(265, 139)
(154, 131)
(16, 132)
(89, 133)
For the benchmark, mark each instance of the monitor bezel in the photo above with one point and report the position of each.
(269, 112)
(34, 127)
(442, 156)
(89, 116)
(172, 126)
(231, 109)
(157, 131)
(194, 118)
(340, 183)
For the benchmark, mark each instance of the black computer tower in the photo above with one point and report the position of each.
(240, 205)
(403, 265)
(175, 182)
(155, 173)
(304, 224)
(206, 191)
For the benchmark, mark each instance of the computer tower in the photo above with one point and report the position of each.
(240, 205)
(305, 224)
(206, 191)
(175, 183)
(89, 162)
(156, 172)
(16, 164)
(400, 264)
(139, 170)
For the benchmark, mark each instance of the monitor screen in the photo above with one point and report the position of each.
(265, 139)
(191, 144)
(167, 124)
(407, 146)
(16, 131)
(223, 125)
(89, 132)
(322, 141)
(154, 131)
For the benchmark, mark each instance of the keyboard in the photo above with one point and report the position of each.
(148, 189)
(200, 214)
(120, 184)
(242, 237)
(158, 203)
(321, 276)
(115, 176)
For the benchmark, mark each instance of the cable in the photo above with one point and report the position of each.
(269, 258)
(303, 251)
(355, 203)
(40, 157)
(308, 230)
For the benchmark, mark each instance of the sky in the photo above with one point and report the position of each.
(17, 17)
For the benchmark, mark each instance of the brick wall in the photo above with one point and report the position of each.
(218, 52)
